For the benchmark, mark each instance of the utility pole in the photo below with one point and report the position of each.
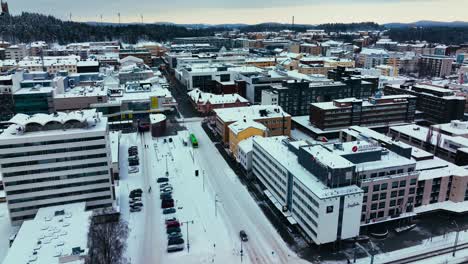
(118, 14)
(141, 16)
(167, 170)
(101, 18)
(70, 15)
(242, 250)
(187, 224)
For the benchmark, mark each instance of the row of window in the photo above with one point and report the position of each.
(58, 195)
(56, 178)
(51, 142)
(50, 151)
(45, 161)
(57, 187)
(46, 170)
(307, 205)
(304, 223)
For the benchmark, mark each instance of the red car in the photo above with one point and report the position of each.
(165, 205)
(173, 224)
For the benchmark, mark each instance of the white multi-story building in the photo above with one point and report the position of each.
(325, 214)
(48, 160)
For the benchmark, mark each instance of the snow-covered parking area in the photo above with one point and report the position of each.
(215, 200)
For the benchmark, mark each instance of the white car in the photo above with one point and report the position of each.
(133, 169)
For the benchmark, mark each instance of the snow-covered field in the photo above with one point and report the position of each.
(5, 231)
(214, 234)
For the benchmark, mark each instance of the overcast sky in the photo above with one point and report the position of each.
(249, 11)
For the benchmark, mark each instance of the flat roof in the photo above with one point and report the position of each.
(55, 232)
(281, 153)
(201, 97)
(253, 112)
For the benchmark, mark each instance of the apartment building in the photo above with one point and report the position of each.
(55, 159)
(277, 121)
(205, 102)
(375, 111)
(435, 66)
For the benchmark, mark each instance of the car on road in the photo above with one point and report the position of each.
(174, 248)
(162, 179)
(133, 169)
(166, 189)
(138, 203)
(135, 209)
(165, 196)
(175, 241)
(137, 190)
(133, 158)
(170, 219)
(135, 199)
(172, 230)
(174, 235)
(169, 211)
(133, 163)
(243, 236)
(167, 205)
(164, 185)
(173, 224)
(134, 195)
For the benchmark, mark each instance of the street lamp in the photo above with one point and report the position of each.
(456, 238)
(187, 224)
(242, 250)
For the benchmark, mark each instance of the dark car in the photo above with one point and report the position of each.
(165, 196)
(171, 219)
(174, 248)
(138, 190)
(162, 179)
(133, 158)
(175, 241)
(173, 224)
(243, 236)
(167, 205)
(174, 235)
(133, 163)
(137, 204)
(167, 201)
(172, 230)
(134, 195)
(169, 211)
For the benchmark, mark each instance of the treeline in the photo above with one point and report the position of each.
(29, 27)
(436, 34)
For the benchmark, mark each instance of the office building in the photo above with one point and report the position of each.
(143, 54)
(439, 105)
(55, 159)
(376, 111)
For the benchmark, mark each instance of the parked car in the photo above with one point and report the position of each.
(174, 235)
(133, 158)
(167, 205)
(173, 224)
(174, 248)
(164, 185)
(165, 196)
(133, 163)
(135, 209)
(172, 230)
(243, 236)
(138, 203)
(170, 219)
(162, 179)
(175, 241)
(167, 189)
(169, 211)
(136, 199)
(133, 169)
(137, 190)
(134, 194)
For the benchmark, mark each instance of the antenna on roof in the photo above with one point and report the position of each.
(118, 14)
(70, 16)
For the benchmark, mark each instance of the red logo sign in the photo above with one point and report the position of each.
(354, 149)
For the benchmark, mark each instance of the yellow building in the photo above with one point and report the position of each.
(244, 129)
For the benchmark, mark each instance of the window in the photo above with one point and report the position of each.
(412, 190)
(403, 183)
(374, 206)
(380, 214)
(400, 201)
(413, 181)
(384, 186)
(364, 208)
(365, 189)
(375, 197)
(392, 202)
(395, 184)
(373, 215)
(391, 212)
(410, 169)
(410, 199)
(382, 173)
(400, 171)
(381, 205)
(329, 209)
(373, 175)
(392, 172)
(394, 194)
(376, 188)
(364, 199)
(383, 196)
(401, 193)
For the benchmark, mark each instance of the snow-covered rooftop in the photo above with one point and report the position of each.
(56, 232)
(242, 125)
(204, 98)
(254, 112)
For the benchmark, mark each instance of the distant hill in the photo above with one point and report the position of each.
(428, 23)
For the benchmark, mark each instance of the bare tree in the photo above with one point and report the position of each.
(107, 242)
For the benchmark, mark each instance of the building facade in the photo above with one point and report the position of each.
(56, 159)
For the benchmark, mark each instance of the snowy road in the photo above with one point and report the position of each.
(240, 210)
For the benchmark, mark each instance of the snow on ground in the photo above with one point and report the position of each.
(214, 234)
(6, 231)
(427, 245)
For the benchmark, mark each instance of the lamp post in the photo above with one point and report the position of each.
(216, 207)
(456, 239)
(188, 242)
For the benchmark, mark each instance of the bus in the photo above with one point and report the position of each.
(194, 141)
